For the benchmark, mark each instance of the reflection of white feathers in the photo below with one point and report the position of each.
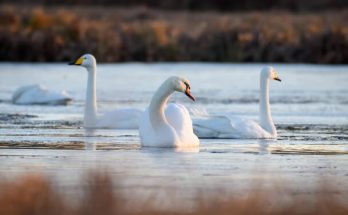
(39, 95)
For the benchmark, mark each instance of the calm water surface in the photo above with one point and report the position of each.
(309, 107)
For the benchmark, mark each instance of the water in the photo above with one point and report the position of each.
(309, 107)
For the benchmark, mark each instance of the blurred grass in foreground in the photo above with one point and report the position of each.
(35, 194)
(138, 34)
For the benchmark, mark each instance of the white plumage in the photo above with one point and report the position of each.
(168, 125)
(118, 119)
(228, 126)
(39, 95)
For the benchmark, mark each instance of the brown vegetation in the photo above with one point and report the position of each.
(140, 34)
(222, 5)
(31, 195)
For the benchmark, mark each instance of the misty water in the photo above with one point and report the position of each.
(309, 108)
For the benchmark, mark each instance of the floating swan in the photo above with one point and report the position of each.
(119, 119)
(169, 125)
(39, 95)
(235, 127)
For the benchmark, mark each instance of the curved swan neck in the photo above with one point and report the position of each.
(90, 116)
(157, 105)
(266, 121)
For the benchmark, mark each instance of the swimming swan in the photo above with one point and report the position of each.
(169, 125)
(235, 127)
(119, 119)
(39, 95)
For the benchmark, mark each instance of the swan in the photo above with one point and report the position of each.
(168, 125)
(118, 119)
(239, 128)
(38, 94)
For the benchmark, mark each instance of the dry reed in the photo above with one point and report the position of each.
(140, 34)
(35, 194)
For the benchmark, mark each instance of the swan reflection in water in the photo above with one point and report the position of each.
(264, 146)
(90, 141)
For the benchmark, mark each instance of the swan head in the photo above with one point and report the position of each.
(182, 85)
(86, 60)
(270, 73)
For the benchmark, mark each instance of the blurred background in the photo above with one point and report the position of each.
(291, 31)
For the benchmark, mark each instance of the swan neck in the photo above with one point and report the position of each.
(158, 105)
(90, 116)
(266, 121)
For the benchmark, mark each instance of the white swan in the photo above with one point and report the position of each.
(235, 127)
(169, 125)
(119, 119)
(39, 95)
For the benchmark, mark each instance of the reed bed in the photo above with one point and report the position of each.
(114, 34)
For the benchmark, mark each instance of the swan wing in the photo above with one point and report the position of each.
(248, 129)
(229, 127)
(179, 118)
(120, 119)
(215, 127)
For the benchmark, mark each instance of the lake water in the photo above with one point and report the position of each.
(309, 107)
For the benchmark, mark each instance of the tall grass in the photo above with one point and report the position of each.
(35, 194)
(140, 34)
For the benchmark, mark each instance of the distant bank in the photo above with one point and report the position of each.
(114, 34)
(201, 5)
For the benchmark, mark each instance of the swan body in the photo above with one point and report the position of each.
(39, 95)
(117, 119)
(228, 126)
(168, 125)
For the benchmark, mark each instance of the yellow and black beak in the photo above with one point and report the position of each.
(78, 62)
(188, 92)
(277, 79)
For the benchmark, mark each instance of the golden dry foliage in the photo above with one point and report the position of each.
(222, 5)
(35, 195)
(139, 34)
(30, 195)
